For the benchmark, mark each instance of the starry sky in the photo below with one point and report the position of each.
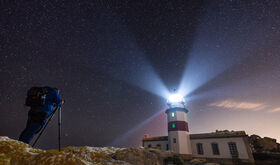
(116, 62)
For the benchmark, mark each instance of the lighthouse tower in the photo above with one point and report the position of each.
(178, 130)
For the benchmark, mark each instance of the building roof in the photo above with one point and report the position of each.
(217, 134)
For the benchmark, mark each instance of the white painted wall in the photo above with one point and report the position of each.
(223, 147)
(178, 116)
(182, 145)
(207, 148)
(155, 143)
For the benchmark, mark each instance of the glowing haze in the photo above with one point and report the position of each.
(117, 62)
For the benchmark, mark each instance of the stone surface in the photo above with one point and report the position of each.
(14, 152)
(265, 144)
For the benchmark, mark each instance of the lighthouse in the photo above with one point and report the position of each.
(223, 145)
(178, 129)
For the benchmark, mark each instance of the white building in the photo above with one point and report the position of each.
(220, 145)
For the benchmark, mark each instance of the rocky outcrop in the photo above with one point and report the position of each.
(265, 144)
(13, 152)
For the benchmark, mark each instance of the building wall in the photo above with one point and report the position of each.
(242, 144)
(223, 147)
(155, 143)
(178, 116)
(182, 145)
(178, 131)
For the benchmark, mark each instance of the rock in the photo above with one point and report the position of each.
(13, 152)
(265, 144)
(196, 160)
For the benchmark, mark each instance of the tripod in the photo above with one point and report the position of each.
(45, 126)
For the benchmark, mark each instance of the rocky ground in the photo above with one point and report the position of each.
(13, 152)
(266, 144)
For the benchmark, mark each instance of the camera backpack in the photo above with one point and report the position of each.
(36, 96)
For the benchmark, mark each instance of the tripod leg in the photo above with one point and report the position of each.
(59, 127)
(38, 137)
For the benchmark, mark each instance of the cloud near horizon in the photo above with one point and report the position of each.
(239, 105)
(275, 110)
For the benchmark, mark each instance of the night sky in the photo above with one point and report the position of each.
(116, 61)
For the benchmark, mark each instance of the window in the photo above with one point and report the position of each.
(173, 125)
(174, 140)
(233, 149)
(215, 149)
(173, 114)
(167, 148)
(159, 146)
(199, 148)
(149, 146)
